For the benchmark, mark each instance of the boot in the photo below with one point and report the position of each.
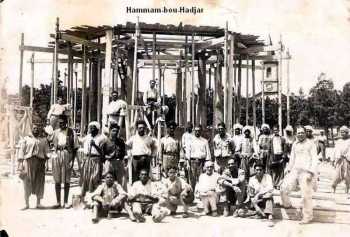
(226, 210)
(66, 195)
(58, 195)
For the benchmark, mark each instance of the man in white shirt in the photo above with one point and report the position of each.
(55, 111)
(237, 136)
(224, 147)
(341, 159)
(152, 99)
(260, 190)
(116, 109)
(142, 147)
(146, 199)
(198, 152)
(187, 138)
(206, 188)
(248, 151)
(301, 171)
(264, 145)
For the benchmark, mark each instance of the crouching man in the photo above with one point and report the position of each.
(206, 188)
(178, 192)
(109, 196)
(147, 199)
(234, 187)
(260, 191)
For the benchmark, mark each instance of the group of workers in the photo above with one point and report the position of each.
(237, 172)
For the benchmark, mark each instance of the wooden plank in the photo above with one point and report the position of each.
(83, 94)
(107, 75)
(78, 40)
(32, 82)
(55, 63)
(48, 50)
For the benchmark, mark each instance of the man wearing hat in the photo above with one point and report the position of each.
(114, 151)
(198, 152)
(264, 145)
(233, 187)
(301, 171)
(32, 156)
(341, 159)
(92, 162)
(224, 147)
(247, 151)
(237, 136)
(309, 135)
(206, 188)
(169, 148)
(65, 143)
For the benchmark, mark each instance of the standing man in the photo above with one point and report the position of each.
(142, 147)
(55, 111)
(65, 144)
(206, 188)
(237, 136)
(260, 190)
(234, 187)
(116, 109)
(290, 139)
(186, 139)
(301, 171)
(277, 157)
(93, 156)
(31, 164)
(309, 135)
(247, 151)
(341, 159)
(322, 142)
(114, 151)
(169, 149)
(264, 145)
(198, 152)
(224, 147)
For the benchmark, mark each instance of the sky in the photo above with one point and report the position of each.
(316, 32)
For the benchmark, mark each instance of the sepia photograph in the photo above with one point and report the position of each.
(174, 118)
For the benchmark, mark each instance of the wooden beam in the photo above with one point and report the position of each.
(230, 83)
(263, 96)
(83, 95)
(40, 49)
(78, 40)
(247, 96)
(225, 74)
(107, 75)
(32, 82)
(20, 82)
(216, 42)
(60, 60)
(253, 92)
(133, 95)
(192, 80)
(55, 71)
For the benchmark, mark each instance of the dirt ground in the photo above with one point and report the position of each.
(71, 222)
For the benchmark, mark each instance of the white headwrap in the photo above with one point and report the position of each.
(96, 124)
(245, 128)
(208, 163)
(344, 128)
(289, 128)
(308, 127)
(237, 126)
(265, 126)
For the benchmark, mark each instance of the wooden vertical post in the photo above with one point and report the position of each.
(225, 74)
(99, 91)
(107, 75)
(201, 110)
(230, 83)
(239, 87)
(218, 102)
(20, 83)
(137, 32)
(70, 64)
(52, 80)
(83, 94)
(280, 90)
(247, 94)
(192, 81)
(178, 110)
(154, 57)
(32, 81)
(75, 100)
(253, 96)
(186, 93)
(55, 71)
(263, 95)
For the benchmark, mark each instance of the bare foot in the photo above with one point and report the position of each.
(25, 208)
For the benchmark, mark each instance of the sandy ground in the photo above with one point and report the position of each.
(72, 222)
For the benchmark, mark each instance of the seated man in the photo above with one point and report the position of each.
(109, 196)
(206, 189)
(234, 187)
(260, 192)
(146, 200)
(178, 192)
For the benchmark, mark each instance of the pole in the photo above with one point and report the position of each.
(21, 68)
(230, 83)
(55, 71)
(253, 92)
(225, 74)
(75, 100)
(263, 94)
(192, 77)
(32, 81)
(134, 76)
(247, 95)
(280, 90)
(188, 103)
(83, 94)
(288, 88)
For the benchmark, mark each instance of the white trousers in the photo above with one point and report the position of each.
(292, 182)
